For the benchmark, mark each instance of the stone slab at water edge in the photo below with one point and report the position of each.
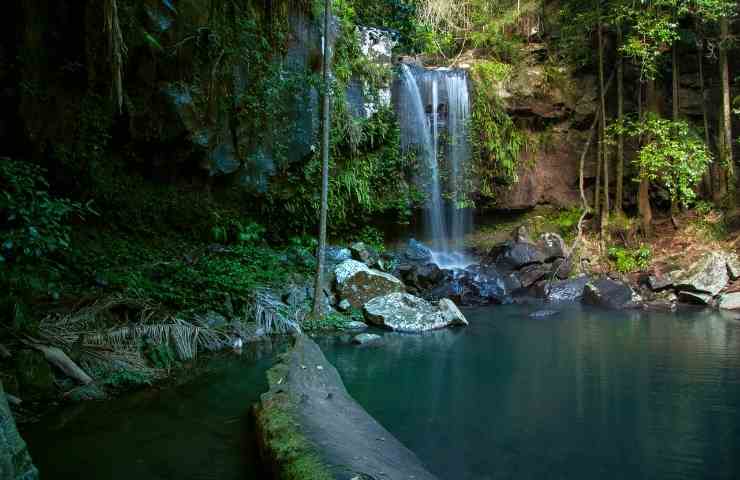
(403, 312)
(310, 428)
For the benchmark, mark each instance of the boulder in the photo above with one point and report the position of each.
(707, 275)
(562, 267)
(366, 338)
(405, 313)
(355, 326)
(451, 313)
(417, 252)
(552, 246)
(515, 255)
(733, 265)
(729, 301)
(344, 305)
(15, 461)
(607, 293)
(363, 253)
(566, 290)
(337, 255)
(421, 276)
(476, 285)
(532, 274)
(358, 284)
(696, 298)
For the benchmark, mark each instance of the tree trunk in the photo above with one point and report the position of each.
(726, 154)
(602, 129)
(619, 193)
(676, 113)
(597, 187)
(643, 199)
(318, 286)
(705, 115)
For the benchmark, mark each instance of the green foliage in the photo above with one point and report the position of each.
(34, 224)
(372, 237)
(125, 379)
(233, 230)
(674, 156)
(160, 355)
(332, 322)
(496, 141)
(629, 260)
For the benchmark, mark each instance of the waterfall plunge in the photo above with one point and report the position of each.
(434, 112)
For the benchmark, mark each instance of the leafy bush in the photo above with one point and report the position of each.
(626, 260)
(34, 224)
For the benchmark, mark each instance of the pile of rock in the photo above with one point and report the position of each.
(385, 302)
(705, 282)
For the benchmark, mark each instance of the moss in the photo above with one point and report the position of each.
(292, 456)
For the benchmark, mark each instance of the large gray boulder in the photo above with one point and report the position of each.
(729, 301)
(607, 293)
(566, 290)
(515, 255)
(403, 312)
(15, 461)
(552, 246)
(707, 275)
(358, 284)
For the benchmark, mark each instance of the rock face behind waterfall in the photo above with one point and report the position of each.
(402, 312)
(15, 462)
(328, 433)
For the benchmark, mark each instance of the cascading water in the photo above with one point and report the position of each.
(416, 135)
(434, 111)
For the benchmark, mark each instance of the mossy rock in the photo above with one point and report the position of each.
(35, 378)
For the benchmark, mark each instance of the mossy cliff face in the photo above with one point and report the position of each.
(530, 122)
(15, 462)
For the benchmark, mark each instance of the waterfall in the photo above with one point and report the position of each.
(434, 112)
(420, 134)
(458, 155)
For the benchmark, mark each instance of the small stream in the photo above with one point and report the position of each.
(585, 394)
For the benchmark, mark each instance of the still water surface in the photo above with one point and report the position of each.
(200, 430)
(587, 394)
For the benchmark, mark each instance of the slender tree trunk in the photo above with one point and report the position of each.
(597, 187)
(602, 129)
(619, 193)
(705, 115)
(643, 199)
(318, 286)
(726, 155)
(676, 113)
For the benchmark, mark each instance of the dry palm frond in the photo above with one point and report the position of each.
(120, 344)
(275, 317)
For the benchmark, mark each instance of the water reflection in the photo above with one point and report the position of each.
(587, 393)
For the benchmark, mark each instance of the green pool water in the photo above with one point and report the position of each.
(199, 430)
(584, 395)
